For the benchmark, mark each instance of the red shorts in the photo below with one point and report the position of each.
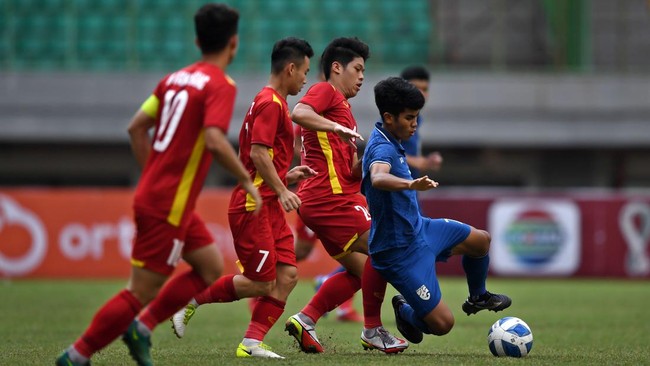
(262, 241)
(338, 221)
(304, 233)
(158, 245)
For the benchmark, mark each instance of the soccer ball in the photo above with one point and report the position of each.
(510, 337)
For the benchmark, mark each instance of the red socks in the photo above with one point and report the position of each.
(174, 295)
(222, 290)
(373, 290)
(336, 290)
(266, 312)
(110, 321)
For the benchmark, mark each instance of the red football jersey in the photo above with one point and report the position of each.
(197, 96)
(325, 152)
(267, 123)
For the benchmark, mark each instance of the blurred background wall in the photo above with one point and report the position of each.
(524, 93)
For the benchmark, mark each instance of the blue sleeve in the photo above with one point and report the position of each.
(375, 152)
(381, 152)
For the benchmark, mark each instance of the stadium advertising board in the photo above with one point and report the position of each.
(533, 237)
(81, 233)
(77, 233)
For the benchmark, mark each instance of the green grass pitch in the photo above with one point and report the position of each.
(577, 322)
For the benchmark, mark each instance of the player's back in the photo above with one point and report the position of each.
(197, 96)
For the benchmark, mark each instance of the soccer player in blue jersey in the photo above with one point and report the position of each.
(403, 244)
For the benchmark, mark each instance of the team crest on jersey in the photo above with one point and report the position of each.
(423, 292)
(401, 160)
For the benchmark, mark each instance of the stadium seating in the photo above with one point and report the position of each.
(148, 35)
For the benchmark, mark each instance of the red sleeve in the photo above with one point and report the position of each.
(319, 97)
(219, 105)
(266, 122)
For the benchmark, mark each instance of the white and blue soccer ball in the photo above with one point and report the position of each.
(510, 337)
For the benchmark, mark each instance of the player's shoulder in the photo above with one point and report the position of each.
(217, 77)
(377, 142)
(268, 97)
(379, 138)
(201, 76)
(321, 87)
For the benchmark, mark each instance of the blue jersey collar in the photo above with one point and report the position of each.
(389, 137)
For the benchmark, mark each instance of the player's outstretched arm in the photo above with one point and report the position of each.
(300, 172)
(381, 178)
(305, 116)
(217, 143)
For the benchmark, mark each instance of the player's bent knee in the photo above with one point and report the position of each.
(440, 320)
(289, 279)
(211, 277)
(442, 327)
(480, 243)
(263, 288)
(145, 296)
(486, 242)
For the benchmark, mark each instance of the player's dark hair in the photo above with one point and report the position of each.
(215, 24)
(415, 73)
(289, 50)
(394, 95)
(343, 50)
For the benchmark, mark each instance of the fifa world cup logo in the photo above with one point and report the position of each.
(634, 221)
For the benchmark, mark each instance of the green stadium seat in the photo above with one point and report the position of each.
(158, 34)
(246, 8)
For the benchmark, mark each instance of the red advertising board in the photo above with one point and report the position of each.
(612, 230)
(87, 233)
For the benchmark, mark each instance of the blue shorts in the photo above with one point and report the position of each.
(412, 271)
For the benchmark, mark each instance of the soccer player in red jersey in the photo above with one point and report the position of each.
(264, 242)
(331, 204)
(190, 110)
(306, 239)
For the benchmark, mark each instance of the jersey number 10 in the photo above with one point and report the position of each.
(175, 102)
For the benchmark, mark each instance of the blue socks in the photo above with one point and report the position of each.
(476, 270)
(407, 313)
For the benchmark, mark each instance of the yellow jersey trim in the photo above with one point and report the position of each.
(183, 190)
(327, 151)
(137, 263)
(346, 248)
(230, 80)
(277, 100)
(257, 182)
(150, 106)
(239, 266)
